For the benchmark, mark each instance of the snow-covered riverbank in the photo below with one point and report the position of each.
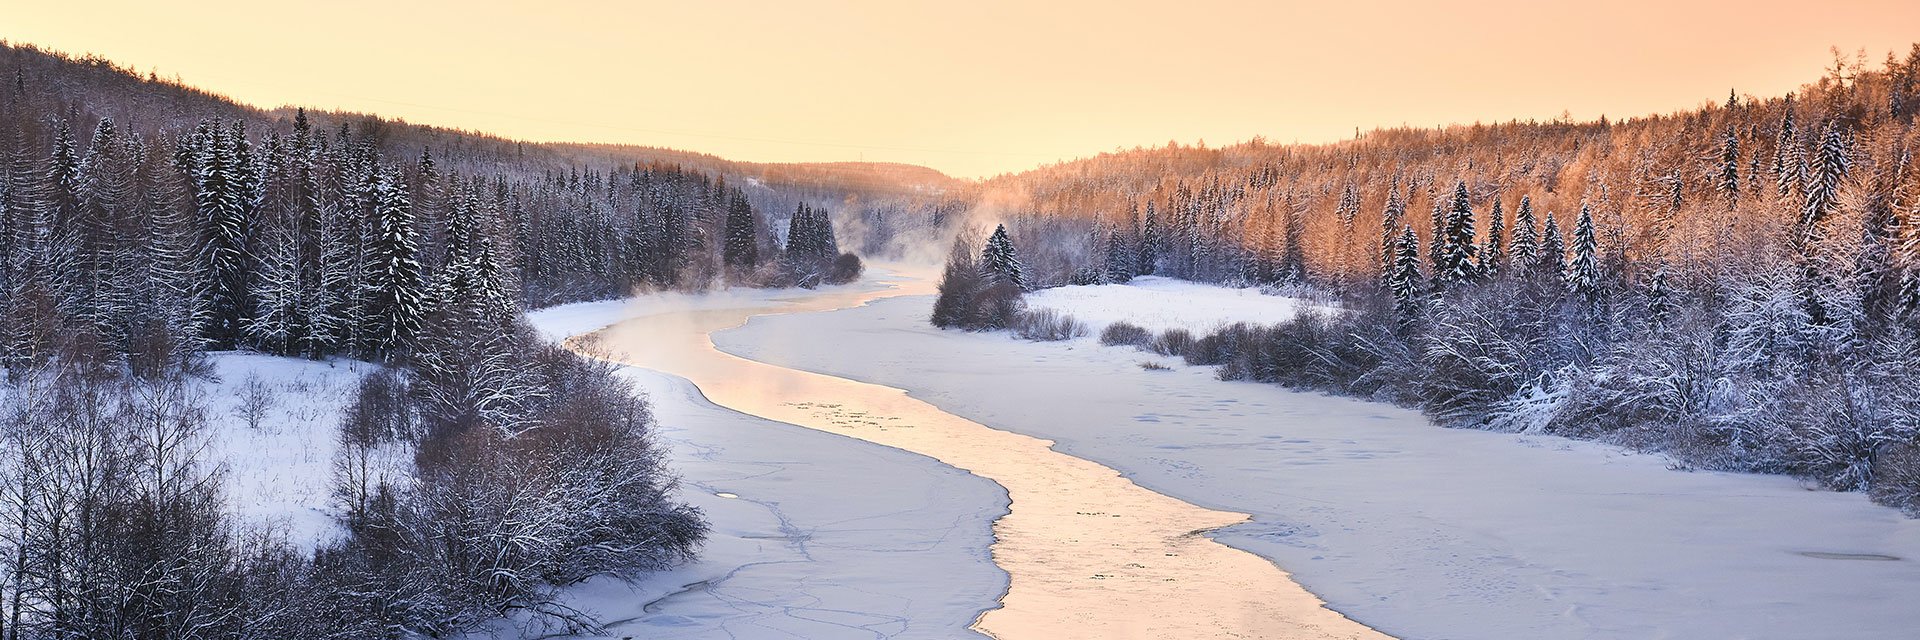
(1419, 531)
(1158, 303)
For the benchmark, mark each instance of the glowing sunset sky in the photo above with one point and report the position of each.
(971, 88)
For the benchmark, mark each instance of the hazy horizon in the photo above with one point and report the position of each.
(973, 92)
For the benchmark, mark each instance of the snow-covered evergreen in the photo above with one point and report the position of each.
(1552, 258)
(1493, 252)
(397, 299)
(1454, 246)
(1583, 274)
(1000, 262)
(1405, 284)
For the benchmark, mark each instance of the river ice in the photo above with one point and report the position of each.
(1416, 530)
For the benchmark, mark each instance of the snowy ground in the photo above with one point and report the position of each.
(277, 473)
(1419, 531)
(814, 535)
(1158, 304)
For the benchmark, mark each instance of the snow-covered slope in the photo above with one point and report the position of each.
(1158, 304)
(278, 471)
(1418, 531)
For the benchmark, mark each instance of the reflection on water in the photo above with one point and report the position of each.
(1089, 553)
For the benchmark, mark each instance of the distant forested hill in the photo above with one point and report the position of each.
(317, 233)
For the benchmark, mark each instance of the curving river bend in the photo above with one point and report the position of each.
(1089, 554)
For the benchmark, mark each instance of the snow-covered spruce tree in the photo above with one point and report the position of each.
(1150, 242)
(1437, 233)
(1660, 302)
(823, 230)
(1905, 241)
(1293, 258)
(1454, 247)
(1526, 237)
(1789, 159)
(221, 194)
(313, 331)
(1000, 263)
(1728, 181)
(171, 285)
(494, 280)
(1875, 270)
(812, 252)
(458, 278)
(1263, 257)
(1583, 274)
(105, 231)
(801, 243)
(275, 288)
(974, 294)
(742, 249)
(32, 320)
(1348, 208)
(1390, 223)
(959, 283)
(61, 247)
(1120, 258)
(1552, 261)
(1409, 296)
(344, 198)
(1493, 252)
(396, 293)
(1823, 186)
(1194, 237)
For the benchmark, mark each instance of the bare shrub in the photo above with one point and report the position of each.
(1047, 325)
(1172, 342)
(1897, 477)
(256, 400)
(1124, 333)
(1220, 346)
(844, 269)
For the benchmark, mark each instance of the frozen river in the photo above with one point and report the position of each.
(1087, 552)
(943, 481)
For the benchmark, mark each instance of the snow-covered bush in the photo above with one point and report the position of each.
(969, 297)
(1125, 334)
(497, 515)
(1046, 325)
(846, 268)
(1172, 342)
(1476, 355)
(1219, 347)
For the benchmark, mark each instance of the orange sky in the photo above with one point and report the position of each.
(972, 88)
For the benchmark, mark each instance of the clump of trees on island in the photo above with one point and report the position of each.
(1736, 285)
(480, 470)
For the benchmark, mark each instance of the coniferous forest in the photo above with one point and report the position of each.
(1737, 285)
(144, 224)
